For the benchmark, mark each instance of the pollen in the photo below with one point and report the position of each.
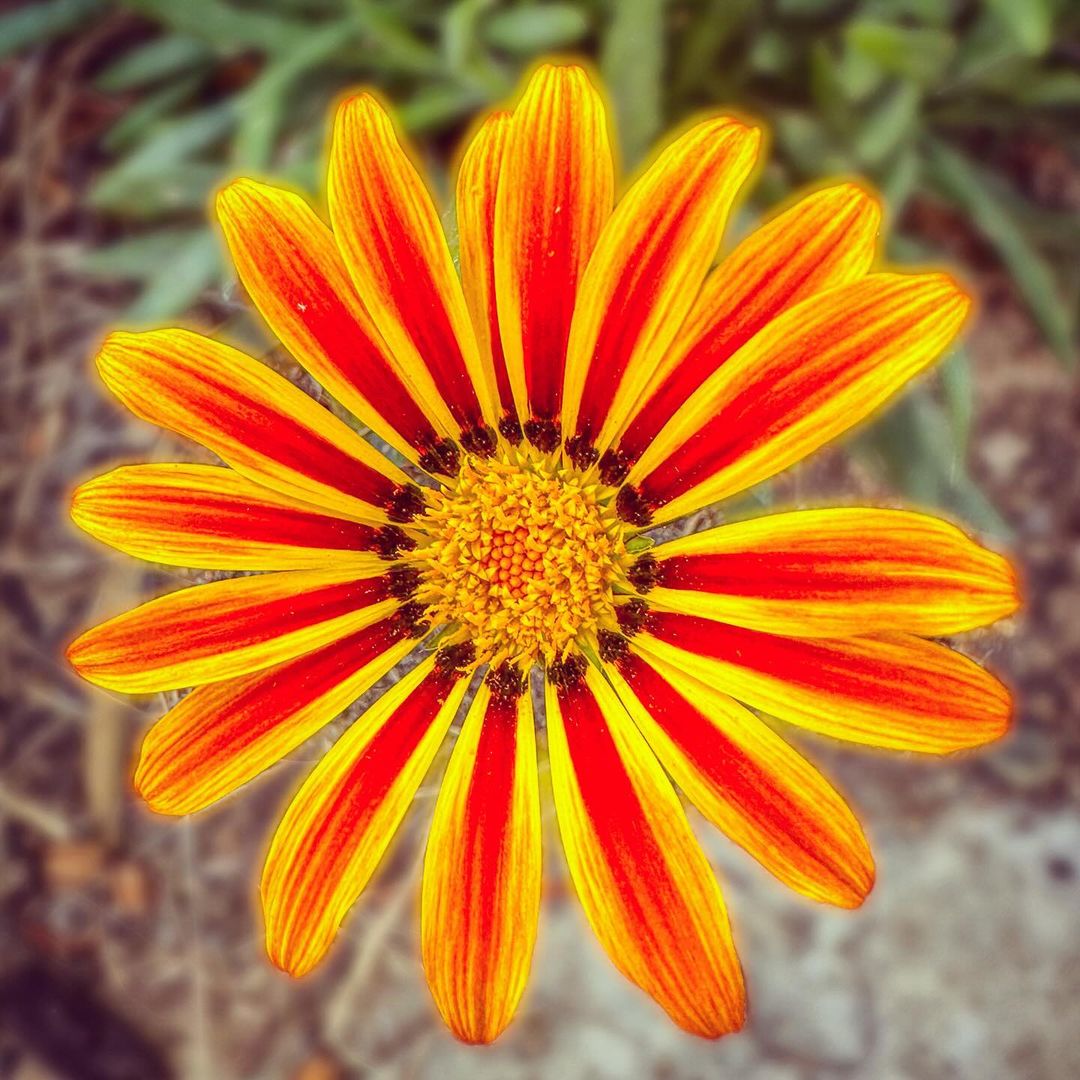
(522, 557)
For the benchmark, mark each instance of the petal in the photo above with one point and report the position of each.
(228, 628)
(811, 374)
(255, 420)
(210, 517)
(477, 185)
(894, 691)
(640, 875)
(555, 193)
(342, 819)
(482, 871)
(825, 240)
(292, 269)
(394, 247)
(748, 782)
(221, 735)
(834, 573)
(646, 271)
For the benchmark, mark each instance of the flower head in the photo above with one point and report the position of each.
(586, 375)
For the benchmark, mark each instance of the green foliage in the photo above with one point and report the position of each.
(916, 94)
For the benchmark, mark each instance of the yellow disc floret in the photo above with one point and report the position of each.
(520, 557)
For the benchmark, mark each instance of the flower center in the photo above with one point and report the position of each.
(520, 557)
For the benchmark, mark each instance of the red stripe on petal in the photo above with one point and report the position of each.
(746, 780)
(555, 193)
(211, 632)
(256, 420)
(340, 823)
(393, 243)
(825, 240)
(639, 873)
(220, 736)
(207, 516)
(288, 261)
(892, 691)
(482, 873)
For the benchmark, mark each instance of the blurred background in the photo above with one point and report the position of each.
(130, 946)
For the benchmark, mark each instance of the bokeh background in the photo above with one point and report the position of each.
(130, 945)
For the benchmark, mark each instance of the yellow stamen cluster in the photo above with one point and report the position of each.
(520, 556)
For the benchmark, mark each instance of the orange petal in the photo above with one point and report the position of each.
(210, 517)
(748, 782)
(393, 243)
(894, 691)
(555, 193)
(220, 736)
(833, 573)
(647, 269)
(290, 265)
(254, 419)
(825, 240)
(344, 816)
(477, 185)
(481, 896)
(228, 628)
(811, 374)
(640, 875)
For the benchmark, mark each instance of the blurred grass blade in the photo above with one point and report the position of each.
(921, 53)
(888, 124)
(1029, 22)
(225, 27)
(148, 112)
(137, 257)
(632, 63)
(916, 447)
(535, 28)
(964, 183)
(43, 21)
(180, 278)
(958, 392)
(154, 62)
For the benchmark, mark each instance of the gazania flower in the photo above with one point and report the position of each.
(588, 375)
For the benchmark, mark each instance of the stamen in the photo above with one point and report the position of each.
(521, 558)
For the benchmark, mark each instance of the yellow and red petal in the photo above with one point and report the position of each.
(255, 420)
(834, 573)
(393, 244)
(343, 818)
(477, 188)
(222, 735)
(207, 633)
(892, 691)
(555, 193)
(213, 518)
(811, 374)
(640, 875)
(825, 240)
(645, 273)
(748, 781)
(482, 871)
(291, 267)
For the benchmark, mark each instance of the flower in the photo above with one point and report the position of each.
(586, 377)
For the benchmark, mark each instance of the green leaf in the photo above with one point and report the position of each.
(263, 105)
(918, 53)
(632, 62)
(153, 62)
(1053, 90)
(536, 28)
(958, 393)
(36, 22)
(149, 112)
(1029, 22)
(916, 447)
(888, 124)
(179, 280)
(227, 28)
(143, 195)
(966, 185)
(137, 257)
